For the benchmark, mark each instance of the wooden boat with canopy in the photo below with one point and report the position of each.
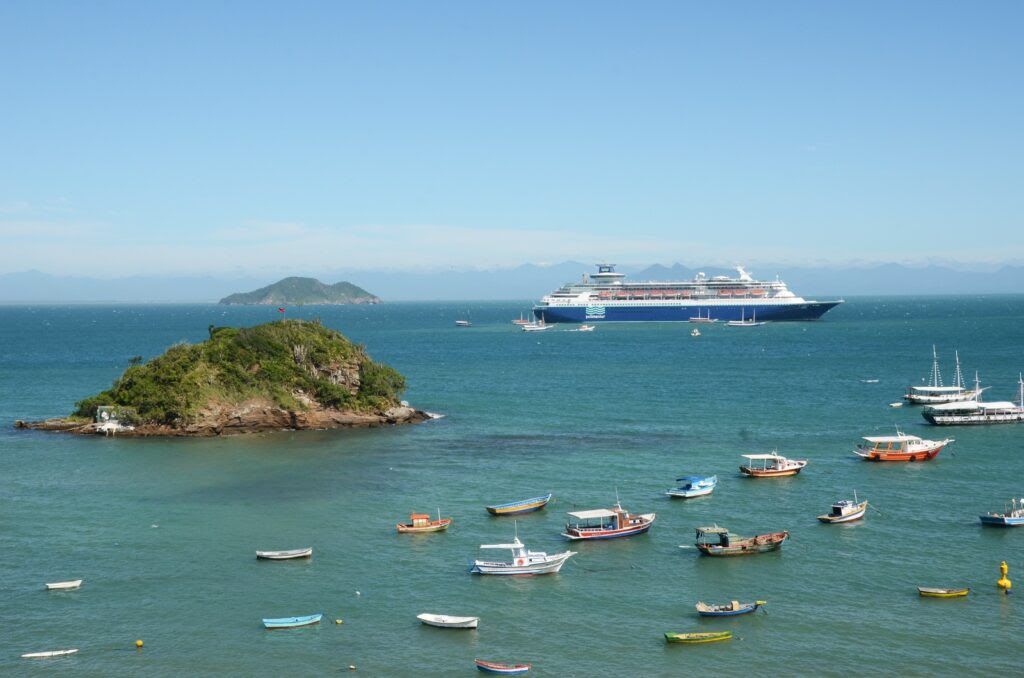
(718, 541)
(421, 522)
(900, 447)
(771, 465)
(607, 523)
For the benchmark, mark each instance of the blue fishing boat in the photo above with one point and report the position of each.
(693, 486)
(292, 622)
(729, 609)
(1013, 517)
(517, 507)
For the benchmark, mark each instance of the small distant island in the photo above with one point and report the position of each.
(288, 374)
(296, 291)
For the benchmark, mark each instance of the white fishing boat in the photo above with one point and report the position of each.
(463, 323)
(744, 321)
(694, 332)
(445, 621)
(585, 328)
(705, 319)
(771, 465)
(64, 585)
(845, 510)
(935, 393)
(285, 555)
(523, 560)
(51, 653)
(693, 486)
(538, 326)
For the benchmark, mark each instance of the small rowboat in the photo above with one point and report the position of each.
(292, 622)
(285, 555)
(517, 507)
(447, 622)
(729, 609)
(421, 522)
(51, 653)
(64, 585)
(942, 593)
(694, 638)
(501, 669)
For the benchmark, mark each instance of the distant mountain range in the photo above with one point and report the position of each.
(528, 281)
(296, 291)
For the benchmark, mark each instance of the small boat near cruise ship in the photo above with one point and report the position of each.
(421, 522)
(285, 555)
(935, 393)
(292, 622)
(744, 321)
(607, 524)
(693, 486)
(731, 609)
(771, 466)
(64, 585)
(501, 669)
(1012, 517)
(538, 326)
(900, 447)
(704, 319)
(522, 506)
(524, 561)
(942, 593)
(845, 511)
(975, 412)
(718, 541)
(695, 638)
(445, 621)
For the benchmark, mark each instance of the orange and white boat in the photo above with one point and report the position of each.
(900, 447)
(421, 522)
(771, 466)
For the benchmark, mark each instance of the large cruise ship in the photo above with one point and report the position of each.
(606, 296)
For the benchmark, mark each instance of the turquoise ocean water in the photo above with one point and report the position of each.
(164, 531)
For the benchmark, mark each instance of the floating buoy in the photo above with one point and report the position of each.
(138, 643)
(1004, 582)
(338, 621)
(351, 667)
(358, 593)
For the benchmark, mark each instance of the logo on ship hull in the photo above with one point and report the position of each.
(595, 312)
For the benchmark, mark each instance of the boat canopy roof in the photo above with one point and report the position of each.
(715, 529)
(773, 455)
(890, 439)
(938, 389)
(692, 479)
(596, 513)
(515, 545)
(972, 405)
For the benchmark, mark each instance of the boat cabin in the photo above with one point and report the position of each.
(419, 519)
(599, 519)
(715, 536)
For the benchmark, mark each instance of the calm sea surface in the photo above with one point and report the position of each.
(164, 531)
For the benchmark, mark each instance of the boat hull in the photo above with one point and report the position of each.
(696, 638)
(924, 455)
(64, 585)
(971, 419)
(764, 543)
(690, 494)
(761, 473)
(434, 526)
(661, 312)
(442, 621)
(518, 507)
(743, 609)
(285, 555)
(1001, 521)
(50, 654)
(501, 669)
(941, 593)
(292, 622)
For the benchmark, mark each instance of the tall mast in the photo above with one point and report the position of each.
(959, 376)
(936, 377)
(1020, 380)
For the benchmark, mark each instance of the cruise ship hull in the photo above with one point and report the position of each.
(808, 310)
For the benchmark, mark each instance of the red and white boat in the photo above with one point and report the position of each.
(771, 466)
(421, 522)
(900, 447)
(607, 524)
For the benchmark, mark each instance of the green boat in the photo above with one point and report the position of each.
(693, 638)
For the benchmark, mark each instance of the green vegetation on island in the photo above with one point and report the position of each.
(297, 291)
(291, 365)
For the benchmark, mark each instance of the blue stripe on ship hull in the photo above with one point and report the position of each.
(577, 314)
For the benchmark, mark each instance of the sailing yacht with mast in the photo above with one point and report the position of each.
(935, 393)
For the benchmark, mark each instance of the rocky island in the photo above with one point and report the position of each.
(297, 291)
(288, 374)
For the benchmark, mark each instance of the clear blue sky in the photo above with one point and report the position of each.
(242, 136)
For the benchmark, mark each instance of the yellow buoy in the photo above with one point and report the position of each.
(338, 621)
(138, 643)
(1004, 582)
